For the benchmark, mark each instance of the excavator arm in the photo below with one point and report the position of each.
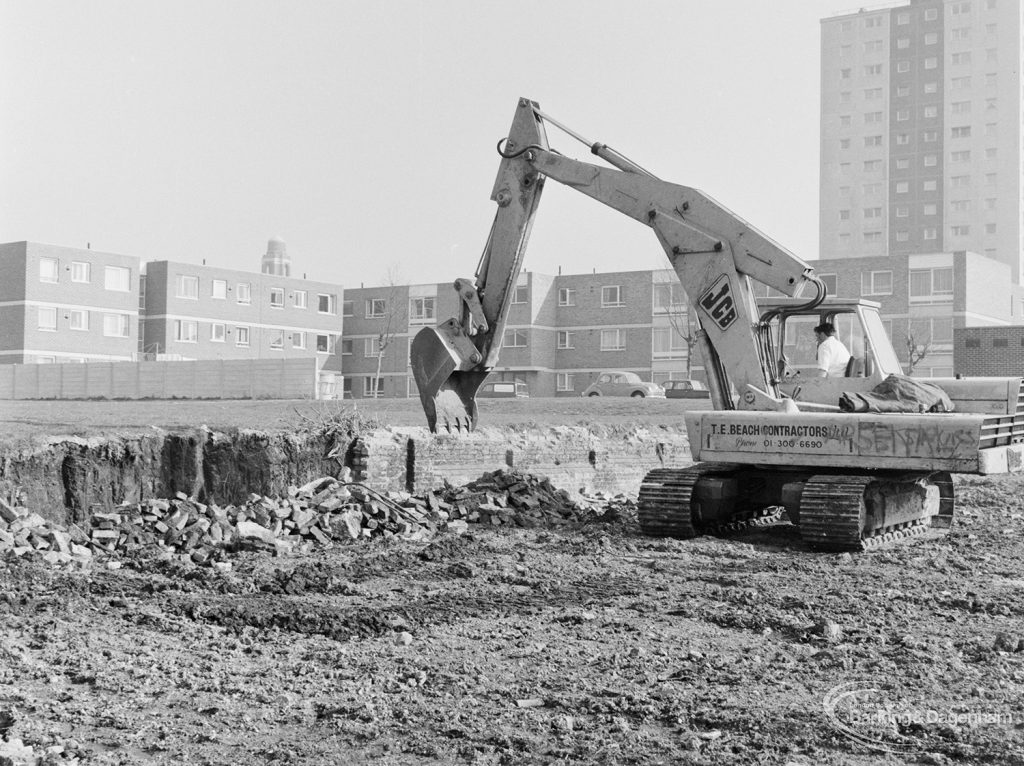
(714, 252)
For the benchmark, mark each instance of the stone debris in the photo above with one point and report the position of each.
(320, 513)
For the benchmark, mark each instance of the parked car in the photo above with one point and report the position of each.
(618, 383)
(503, 389)
(686, 389)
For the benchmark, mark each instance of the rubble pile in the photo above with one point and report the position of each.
(319, 513)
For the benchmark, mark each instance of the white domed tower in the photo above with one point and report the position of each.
(276, 260)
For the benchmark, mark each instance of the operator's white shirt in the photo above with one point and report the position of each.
(833, 357)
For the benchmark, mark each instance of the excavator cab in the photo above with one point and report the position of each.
(790, 327)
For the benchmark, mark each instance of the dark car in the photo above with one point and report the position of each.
(686, 389)
(503, 389)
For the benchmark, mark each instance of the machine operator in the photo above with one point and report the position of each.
(832, 356)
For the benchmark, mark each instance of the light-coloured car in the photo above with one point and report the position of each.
(619, 383)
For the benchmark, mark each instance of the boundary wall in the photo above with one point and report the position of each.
(202, 379)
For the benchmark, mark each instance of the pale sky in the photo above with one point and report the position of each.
(363, 133)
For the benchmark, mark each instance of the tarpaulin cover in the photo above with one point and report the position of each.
(898, 393)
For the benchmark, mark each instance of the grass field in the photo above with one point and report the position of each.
(40, 419)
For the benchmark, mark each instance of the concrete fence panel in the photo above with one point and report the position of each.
(207, 379)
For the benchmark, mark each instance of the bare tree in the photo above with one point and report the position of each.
(393, 321)
(918, 348)
(680, 318)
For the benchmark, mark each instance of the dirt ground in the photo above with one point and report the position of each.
(580, 643)
(584, 643)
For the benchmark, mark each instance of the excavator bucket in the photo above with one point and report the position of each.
(448, 395)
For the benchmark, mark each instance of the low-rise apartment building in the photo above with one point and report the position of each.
(204, 312)
(63, 304)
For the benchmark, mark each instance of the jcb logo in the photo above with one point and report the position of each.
(718, 303)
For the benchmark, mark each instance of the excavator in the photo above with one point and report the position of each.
(773, 444)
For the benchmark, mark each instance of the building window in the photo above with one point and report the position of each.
(373, 387)
(845, 120)
(242, 337)
(844, 239)
(902, 187)
(871, 94)
(219, 289)
(991, 104)
(929, 233)
(300, 299)
(902, 139)
(375, 308)
(961, 230)
(960, 83)
(902, 115)
(566, 296)
(960, 34)
(565, 381)
(117, 278)
(930, 112)
(347, 308)
(872, 69)
(81, 271)
(871, 166)
(47, 318)
(844, 143)
(669, 296)
(902, 163)
(115, 325)
(566, 339)
(326, 303)
(521, 294)
(845, 97)
(902, 236)
(873, 21)
(931, 62)
(902, 19)
(872, 237)
(930, 208)
(929, 185)
(277, 297)
(422, 309)
(902, 211)
(902, 66)
(872, 117)
(217, 332)
(844, 215)
(991, 153)
(930, 14)
(613, 340)
(346, 346)
(611, 296)
(931, 87)
(186, 330)
(963, 155)
(960, 205)
(514, 339)
(961, 131)
(961, 107)
(243, 292)
(876, 283)
(325, 344)
(872, 212)
(186, 287)
(990, 228)
(958, 9)
(47, 269)
(276, 338)
(79, 319)
(961, 58)
(931, 160)
(929, 136)
(872, 140)
(844, 168)
(960, 182)
(902, 91)
(902, 43)
(667, 343)
(990, 179)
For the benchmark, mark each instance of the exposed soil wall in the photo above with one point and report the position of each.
(67, 479)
